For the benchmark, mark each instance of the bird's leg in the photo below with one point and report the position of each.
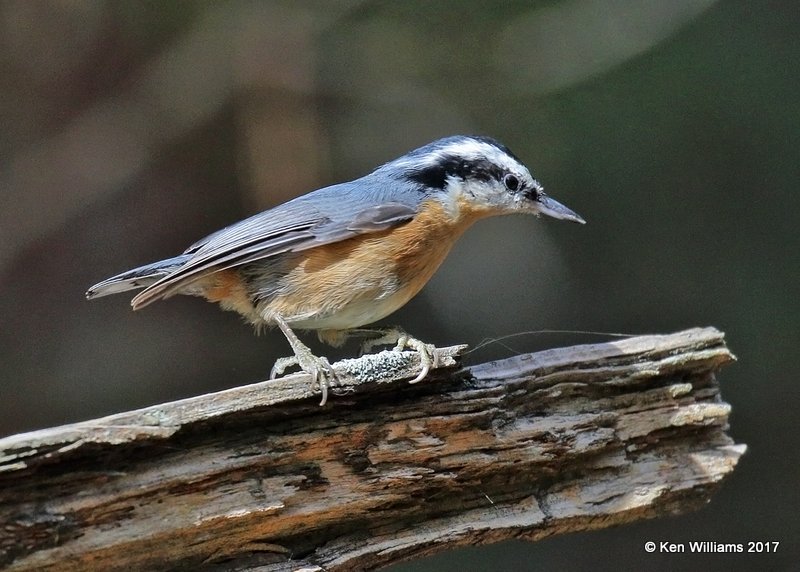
(320, 369)
(401, 340)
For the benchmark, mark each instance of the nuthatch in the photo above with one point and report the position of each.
(350, 254)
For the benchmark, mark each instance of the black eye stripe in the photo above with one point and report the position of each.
(435, 175)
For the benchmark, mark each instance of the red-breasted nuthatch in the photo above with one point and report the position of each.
(350, 254)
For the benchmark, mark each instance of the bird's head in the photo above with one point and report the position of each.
(478, 174)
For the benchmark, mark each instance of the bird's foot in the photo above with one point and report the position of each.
(427, 352)
(319, 368)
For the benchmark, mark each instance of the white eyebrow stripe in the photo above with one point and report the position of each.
(469, 149)
(472, 149)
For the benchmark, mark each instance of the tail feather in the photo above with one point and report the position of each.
(141, 277)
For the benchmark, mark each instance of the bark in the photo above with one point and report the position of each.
(262, 478)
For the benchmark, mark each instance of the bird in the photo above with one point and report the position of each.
(347, 255)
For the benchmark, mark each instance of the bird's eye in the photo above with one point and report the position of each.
(511, 182)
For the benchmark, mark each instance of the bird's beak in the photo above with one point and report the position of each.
(555, 209)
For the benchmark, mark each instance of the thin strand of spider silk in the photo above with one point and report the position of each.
(488, 341)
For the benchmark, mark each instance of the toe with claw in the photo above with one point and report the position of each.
(319, 368)
(427, 352)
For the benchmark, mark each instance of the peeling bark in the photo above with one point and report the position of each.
(262, 478)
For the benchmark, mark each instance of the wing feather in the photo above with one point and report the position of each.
(322, 217)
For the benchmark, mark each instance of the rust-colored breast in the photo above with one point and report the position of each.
(363, 279)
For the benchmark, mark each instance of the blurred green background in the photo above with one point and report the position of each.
(131, 129)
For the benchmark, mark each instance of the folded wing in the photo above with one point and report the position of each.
(325, 216)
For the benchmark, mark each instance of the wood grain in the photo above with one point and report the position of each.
(262, 478)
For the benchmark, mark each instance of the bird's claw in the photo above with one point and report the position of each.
(427, 356)
(323, 376)
(427, 352)
(319, 368)
(281, 364)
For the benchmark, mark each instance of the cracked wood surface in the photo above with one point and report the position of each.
(262, 478)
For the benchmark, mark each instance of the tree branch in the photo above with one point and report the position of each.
(261, 477)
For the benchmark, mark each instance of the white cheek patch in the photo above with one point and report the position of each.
(450, 199)
(491, 195)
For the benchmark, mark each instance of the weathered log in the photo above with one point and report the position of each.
(261, 477)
